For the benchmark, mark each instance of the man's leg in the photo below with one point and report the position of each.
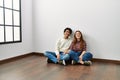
(51, 56)
(64, 58)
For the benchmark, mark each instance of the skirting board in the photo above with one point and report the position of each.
(41, 54)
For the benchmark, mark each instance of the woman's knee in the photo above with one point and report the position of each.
(71, 52)
(87, 56)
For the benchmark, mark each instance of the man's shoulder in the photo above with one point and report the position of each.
(70, 38)
(62, 39)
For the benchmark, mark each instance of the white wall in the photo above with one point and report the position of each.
(16, 49)
(99, 20)
(43, 24)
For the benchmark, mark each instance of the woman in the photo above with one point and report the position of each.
(78, 52)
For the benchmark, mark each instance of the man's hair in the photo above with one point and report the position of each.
(68, 29)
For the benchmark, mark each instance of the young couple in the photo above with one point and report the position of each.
(68, 49)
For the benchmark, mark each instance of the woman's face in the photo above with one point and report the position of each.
(78, 35)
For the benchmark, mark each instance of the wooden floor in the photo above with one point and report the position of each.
(36, 68)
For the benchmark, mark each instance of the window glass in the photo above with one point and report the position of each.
(16, 18)
(9, 33)
(8, 17)
(16, 4)
(1, 2)
(1, 34)
(1, 15)
(8, 3)
(16, 33)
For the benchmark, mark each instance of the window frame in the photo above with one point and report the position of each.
(13, 25)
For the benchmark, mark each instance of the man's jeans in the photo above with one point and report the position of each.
(52, 56)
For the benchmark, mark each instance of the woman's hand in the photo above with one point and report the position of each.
(80, 57)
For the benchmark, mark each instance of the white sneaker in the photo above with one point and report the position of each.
(73, 62)
(64, 62)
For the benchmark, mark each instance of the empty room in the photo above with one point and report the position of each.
(59, 39)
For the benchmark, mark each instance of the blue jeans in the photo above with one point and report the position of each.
(52, 56)
(75, 56)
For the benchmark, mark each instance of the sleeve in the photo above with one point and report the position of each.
(57, 47)
(71, 45)
(84, 46)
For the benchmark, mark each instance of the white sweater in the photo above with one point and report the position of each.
(62, 44)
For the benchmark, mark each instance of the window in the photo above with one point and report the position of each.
(10, 21)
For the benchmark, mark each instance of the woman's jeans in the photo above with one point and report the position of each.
(52, 56)
(75, 56)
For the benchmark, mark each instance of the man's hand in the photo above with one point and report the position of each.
(58, 56)
(66, 51)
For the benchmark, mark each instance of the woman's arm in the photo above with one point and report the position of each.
(83, 52)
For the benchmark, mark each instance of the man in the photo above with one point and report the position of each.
(61, 53)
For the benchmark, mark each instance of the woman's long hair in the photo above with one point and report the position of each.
(82, 42)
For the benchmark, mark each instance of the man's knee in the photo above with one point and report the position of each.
(46, 53)
(66, 57)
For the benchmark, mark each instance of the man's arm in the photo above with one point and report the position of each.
(57, 49)
(70, 47)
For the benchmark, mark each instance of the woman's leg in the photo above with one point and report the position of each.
(74, 55)
(87, 56)
(51, 56)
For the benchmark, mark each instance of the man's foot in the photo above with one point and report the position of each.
(73, 62)
(87, 63)
(49, 61)
(62, 62)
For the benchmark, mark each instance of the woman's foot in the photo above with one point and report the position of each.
(87, 63)
(73, 62)
(81, 62)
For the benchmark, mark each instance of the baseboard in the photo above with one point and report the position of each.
(38, 53)
(15, 58)
(19, 57)
(106, 60)
(41, 54)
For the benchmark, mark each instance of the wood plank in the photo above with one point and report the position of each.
(35, 67)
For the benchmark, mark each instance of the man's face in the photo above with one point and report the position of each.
(67, 33)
